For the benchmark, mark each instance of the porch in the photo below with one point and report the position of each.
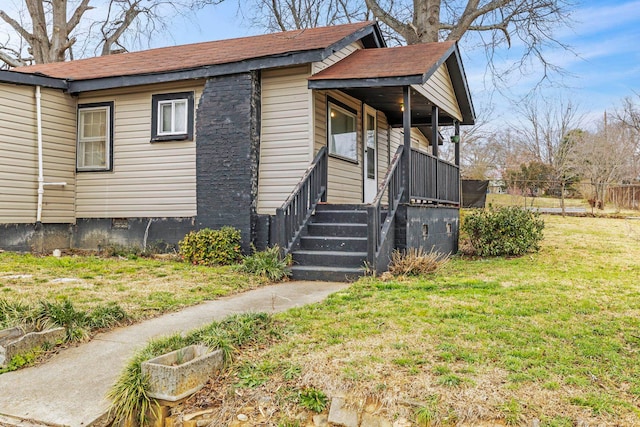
(337, 241)
(416, 90)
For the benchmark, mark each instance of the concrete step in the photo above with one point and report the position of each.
(333, 207)
(337, 229)
(329, 243)
(326, 274)
(340, 216)
(338, 259)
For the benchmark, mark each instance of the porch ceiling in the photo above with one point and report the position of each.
(377, 77)
(389, 101)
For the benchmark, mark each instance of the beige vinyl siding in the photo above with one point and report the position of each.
(344, 177)
(418, 140)
(285, 143)
(335, 57)
(19, 160)
(58, 156)
(148, 179)
(439, 90)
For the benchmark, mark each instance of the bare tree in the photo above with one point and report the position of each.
(283, 15)
(47, 30)
(543, 126)
(498, 23)
(629, 118)
(547, 132)
(604, 157)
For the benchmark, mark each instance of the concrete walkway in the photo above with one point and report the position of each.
(70, 388)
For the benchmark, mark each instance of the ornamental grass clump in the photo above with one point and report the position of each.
(505, 231)
(269, 264)
(416, 262)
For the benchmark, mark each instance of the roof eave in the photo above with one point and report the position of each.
(292, 59)
(15, 77)
(460, 86)
(365, 82)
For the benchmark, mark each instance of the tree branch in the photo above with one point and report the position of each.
(77, 15)
(12, 61)
(388, 19)
(129, 16)
(16, 26)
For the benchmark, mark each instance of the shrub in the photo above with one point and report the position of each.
(268, 264)
(211, 247)
(415, 262)
(503, 231)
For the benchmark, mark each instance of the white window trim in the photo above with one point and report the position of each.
(107, 139)
(333, 106)
(173, 103)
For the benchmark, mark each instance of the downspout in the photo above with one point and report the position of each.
(41, 183)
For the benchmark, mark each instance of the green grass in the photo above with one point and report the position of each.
(549, 336)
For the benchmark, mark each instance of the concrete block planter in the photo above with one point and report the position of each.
(176, 375)
(16, 341)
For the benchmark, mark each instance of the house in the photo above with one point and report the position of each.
(319, 140)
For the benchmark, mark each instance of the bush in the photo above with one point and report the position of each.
(211, 247)
(415, 262)
(268, 264)
(503, 231)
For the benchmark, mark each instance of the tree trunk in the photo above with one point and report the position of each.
(426, 21)
(424, 27)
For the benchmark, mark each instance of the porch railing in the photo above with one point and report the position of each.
(297, 209)
(393, 189)
(433, 180)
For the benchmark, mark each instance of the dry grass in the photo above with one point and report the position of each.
(144, 287)
(416, 262)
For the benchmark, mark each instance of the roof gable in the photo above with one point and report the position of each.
(394, 67)
(417, 61)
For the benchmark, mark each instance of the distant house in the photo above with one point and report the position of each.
(318, 140)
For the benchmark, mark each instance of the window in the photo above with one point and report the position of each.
(343, 137)
(95, 133)
(172, 117)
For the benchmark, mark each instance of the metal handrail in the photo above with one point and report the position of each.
(295, 212)
(433, 180)
(392, 186)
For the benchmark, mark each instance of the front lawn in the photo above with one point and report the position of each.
(552, 336)
(143, 287)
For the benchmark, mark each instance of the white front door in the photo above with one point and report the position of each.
(370, 155)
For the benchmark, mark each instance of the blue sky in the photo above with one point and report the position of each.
(605, 36)
(602, 68)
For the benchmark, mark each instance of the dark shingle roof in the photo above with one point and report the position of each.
(403, 61)
(197, 55)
